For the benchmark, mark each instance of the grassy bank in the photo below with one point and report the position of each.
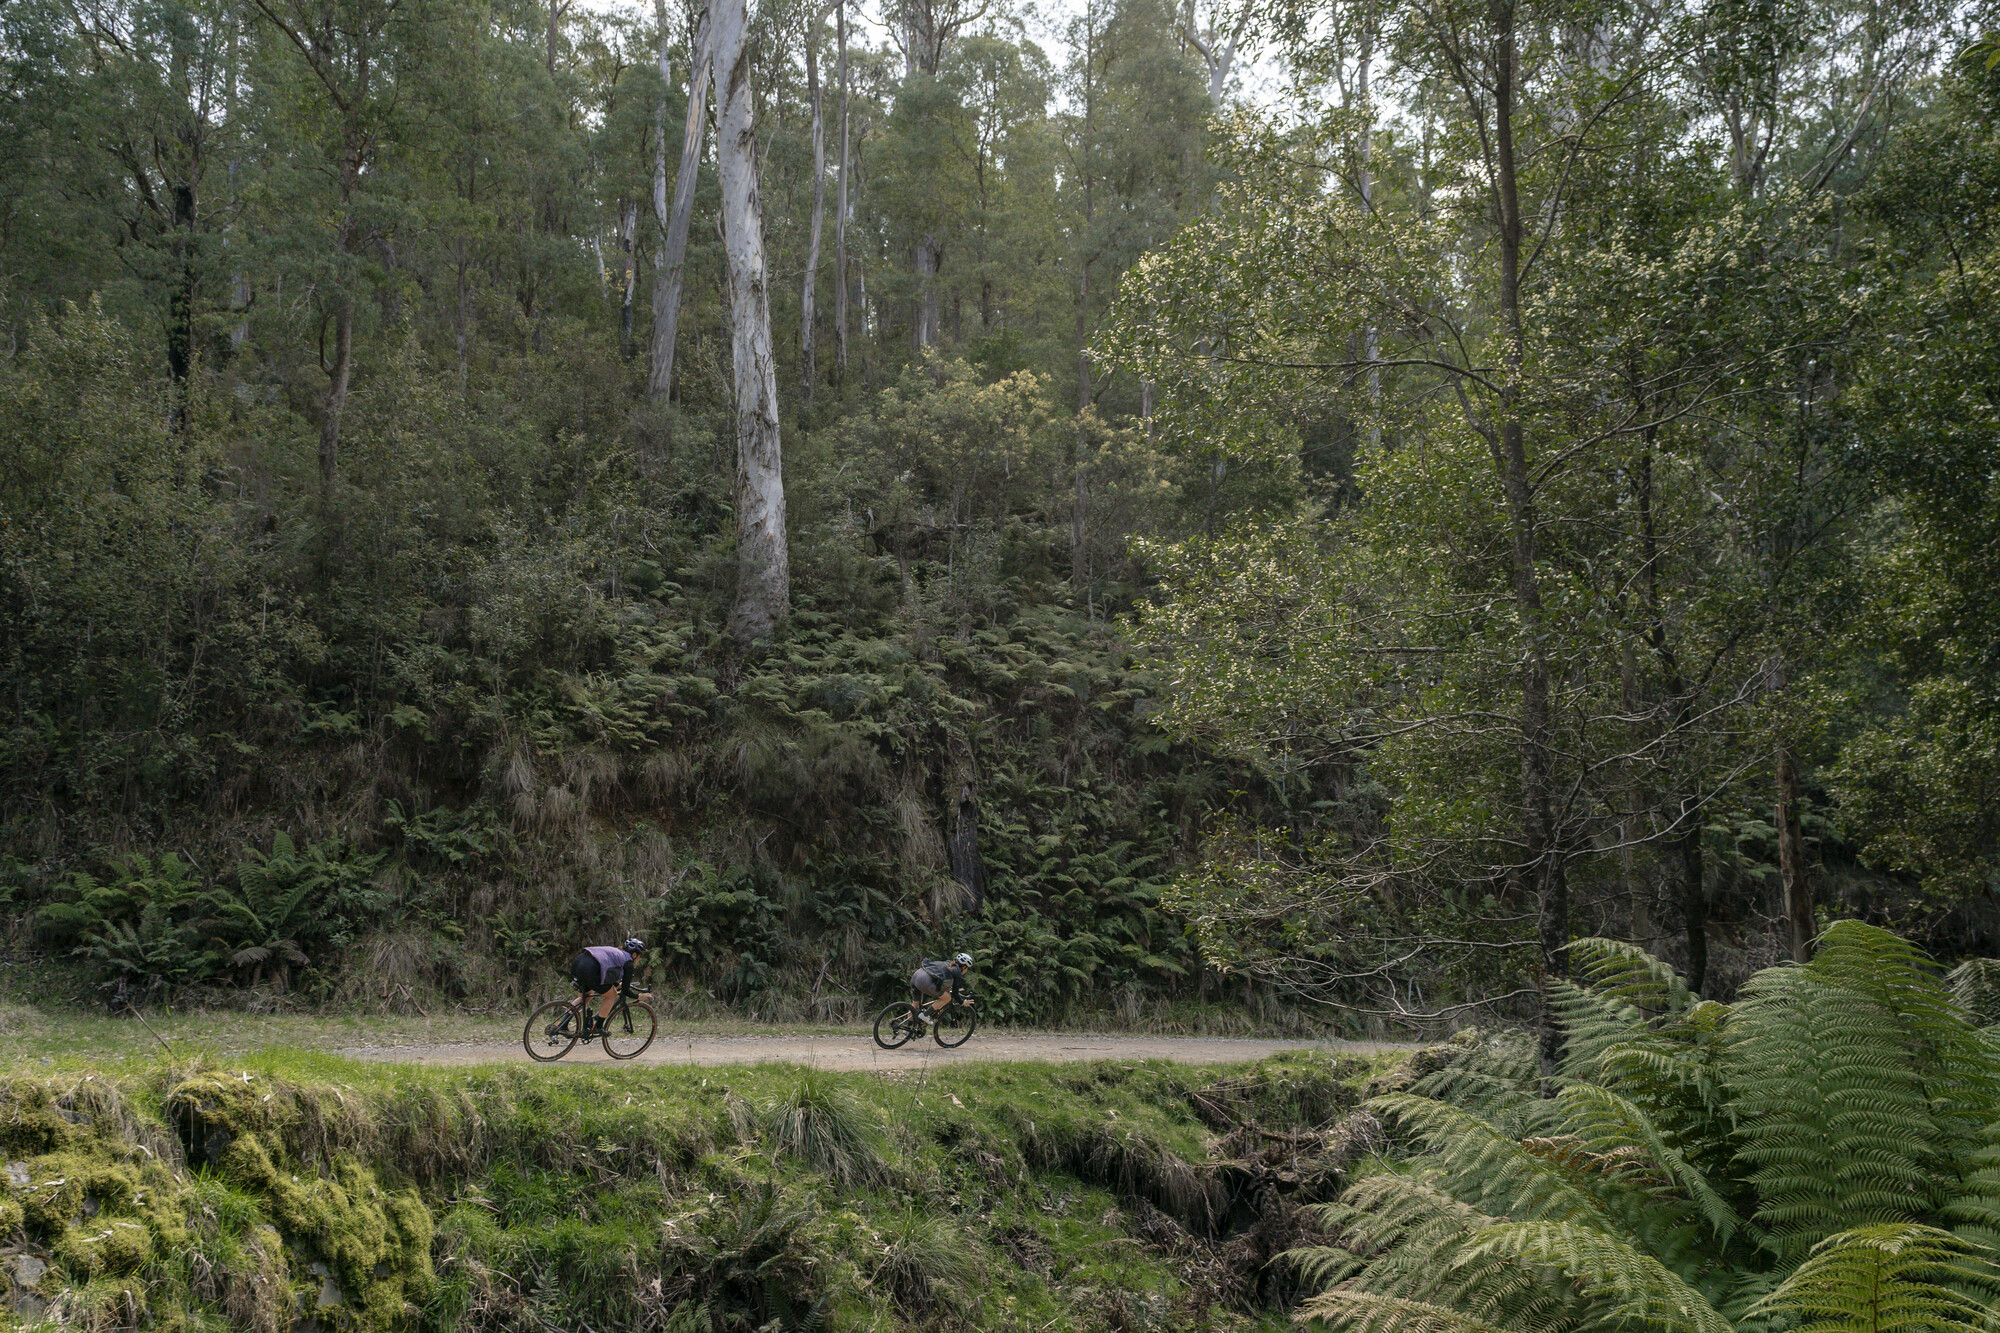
(291, 1189)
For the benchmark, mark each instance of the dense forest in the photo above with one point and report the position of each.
(817, 487)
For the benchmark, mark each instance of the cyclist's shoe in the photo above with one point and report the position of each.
(929, 1016)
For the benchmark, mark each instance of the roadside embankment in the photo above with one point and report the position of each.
(298, 1191)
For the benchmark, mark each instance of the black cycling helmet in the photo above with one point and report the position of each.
(635, 946)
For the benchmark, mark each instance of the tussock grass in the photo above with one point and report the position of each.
(925, 1263)
(821, 1122)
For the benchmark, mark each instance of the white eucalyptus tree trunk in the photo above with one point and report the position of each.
(763, 568)
(808, 369)
(667, 280)
(840, 203)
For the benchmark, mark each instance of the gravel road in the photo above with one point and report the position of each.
(856, 1050)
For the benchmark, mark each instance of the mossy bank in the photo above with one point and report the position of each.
(304, 1193)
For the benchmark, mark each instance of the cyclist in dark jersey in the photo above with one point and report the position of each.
(939, 982)
(604, 968)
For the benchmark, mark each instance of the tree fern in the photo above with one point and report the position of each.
(1793, 1161)
(1419, 1240)
(1625, 993)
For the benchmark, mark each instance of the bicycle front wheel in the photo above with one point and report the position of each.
(631, 1030)
(551, 1031)
(893, 1025)
(955, 1025)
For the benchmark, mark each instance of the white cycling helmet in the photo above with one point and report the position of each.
(963, 960)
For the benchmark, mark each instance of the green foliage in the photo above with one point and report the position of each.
(716, 923)
(313, 898)
(1816, 1155)
(155, 922)
(146, 924)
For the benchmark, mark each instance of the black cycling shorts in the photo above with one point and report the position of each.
(588, 973)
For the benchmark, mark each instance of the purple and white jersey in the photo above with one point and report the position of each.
(613, 960)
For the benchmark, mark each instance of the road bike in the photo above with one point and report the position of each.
(903, 1022)
(554, 1029)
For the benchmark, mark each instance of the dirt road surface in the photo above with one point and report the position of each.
(858, 1051)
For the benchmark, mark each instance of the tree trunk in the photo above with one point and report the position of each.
(181, 302)
(1216, 49)
(673, 248)
(840, 216)
(557, 8)
(968, 867)
(659, 192)
(1371, 338)
(1540, 842)
(628, 235)
(1694, 904)
(1083, 335)
(1792, 863)
(338, 375)
(1084, 257)
(1687, 815)
(808, 369)
(763, 572)
(925, 261)
(1079, 521)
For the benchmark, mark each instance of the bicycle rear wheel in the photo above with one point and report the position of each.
(892, 1025)
(631, 1030)
(955, 1025)
(551, 1031)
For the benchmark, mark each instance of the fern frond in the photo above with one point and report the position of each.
(1487, 1165)
(1387, 1209)
(1662, 1073)
(1628, 973)
(1861, 1089)
(1323, 1265)
(1593, 1022)
(1975, 988)
(1500, 1073)
(1899, 979)
(1415, 1236)
(1607, 1124)
(1368, 1312)
(1636, 1287)
(1885, 1279)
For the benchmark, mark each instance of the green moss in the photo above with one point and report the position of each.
(376, 1241)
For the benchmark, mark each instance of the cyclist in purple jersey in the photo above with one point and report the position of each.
(605, 968)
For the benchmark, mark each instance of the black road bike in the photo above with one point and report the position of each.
(903, 1022)
(554, 1029)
